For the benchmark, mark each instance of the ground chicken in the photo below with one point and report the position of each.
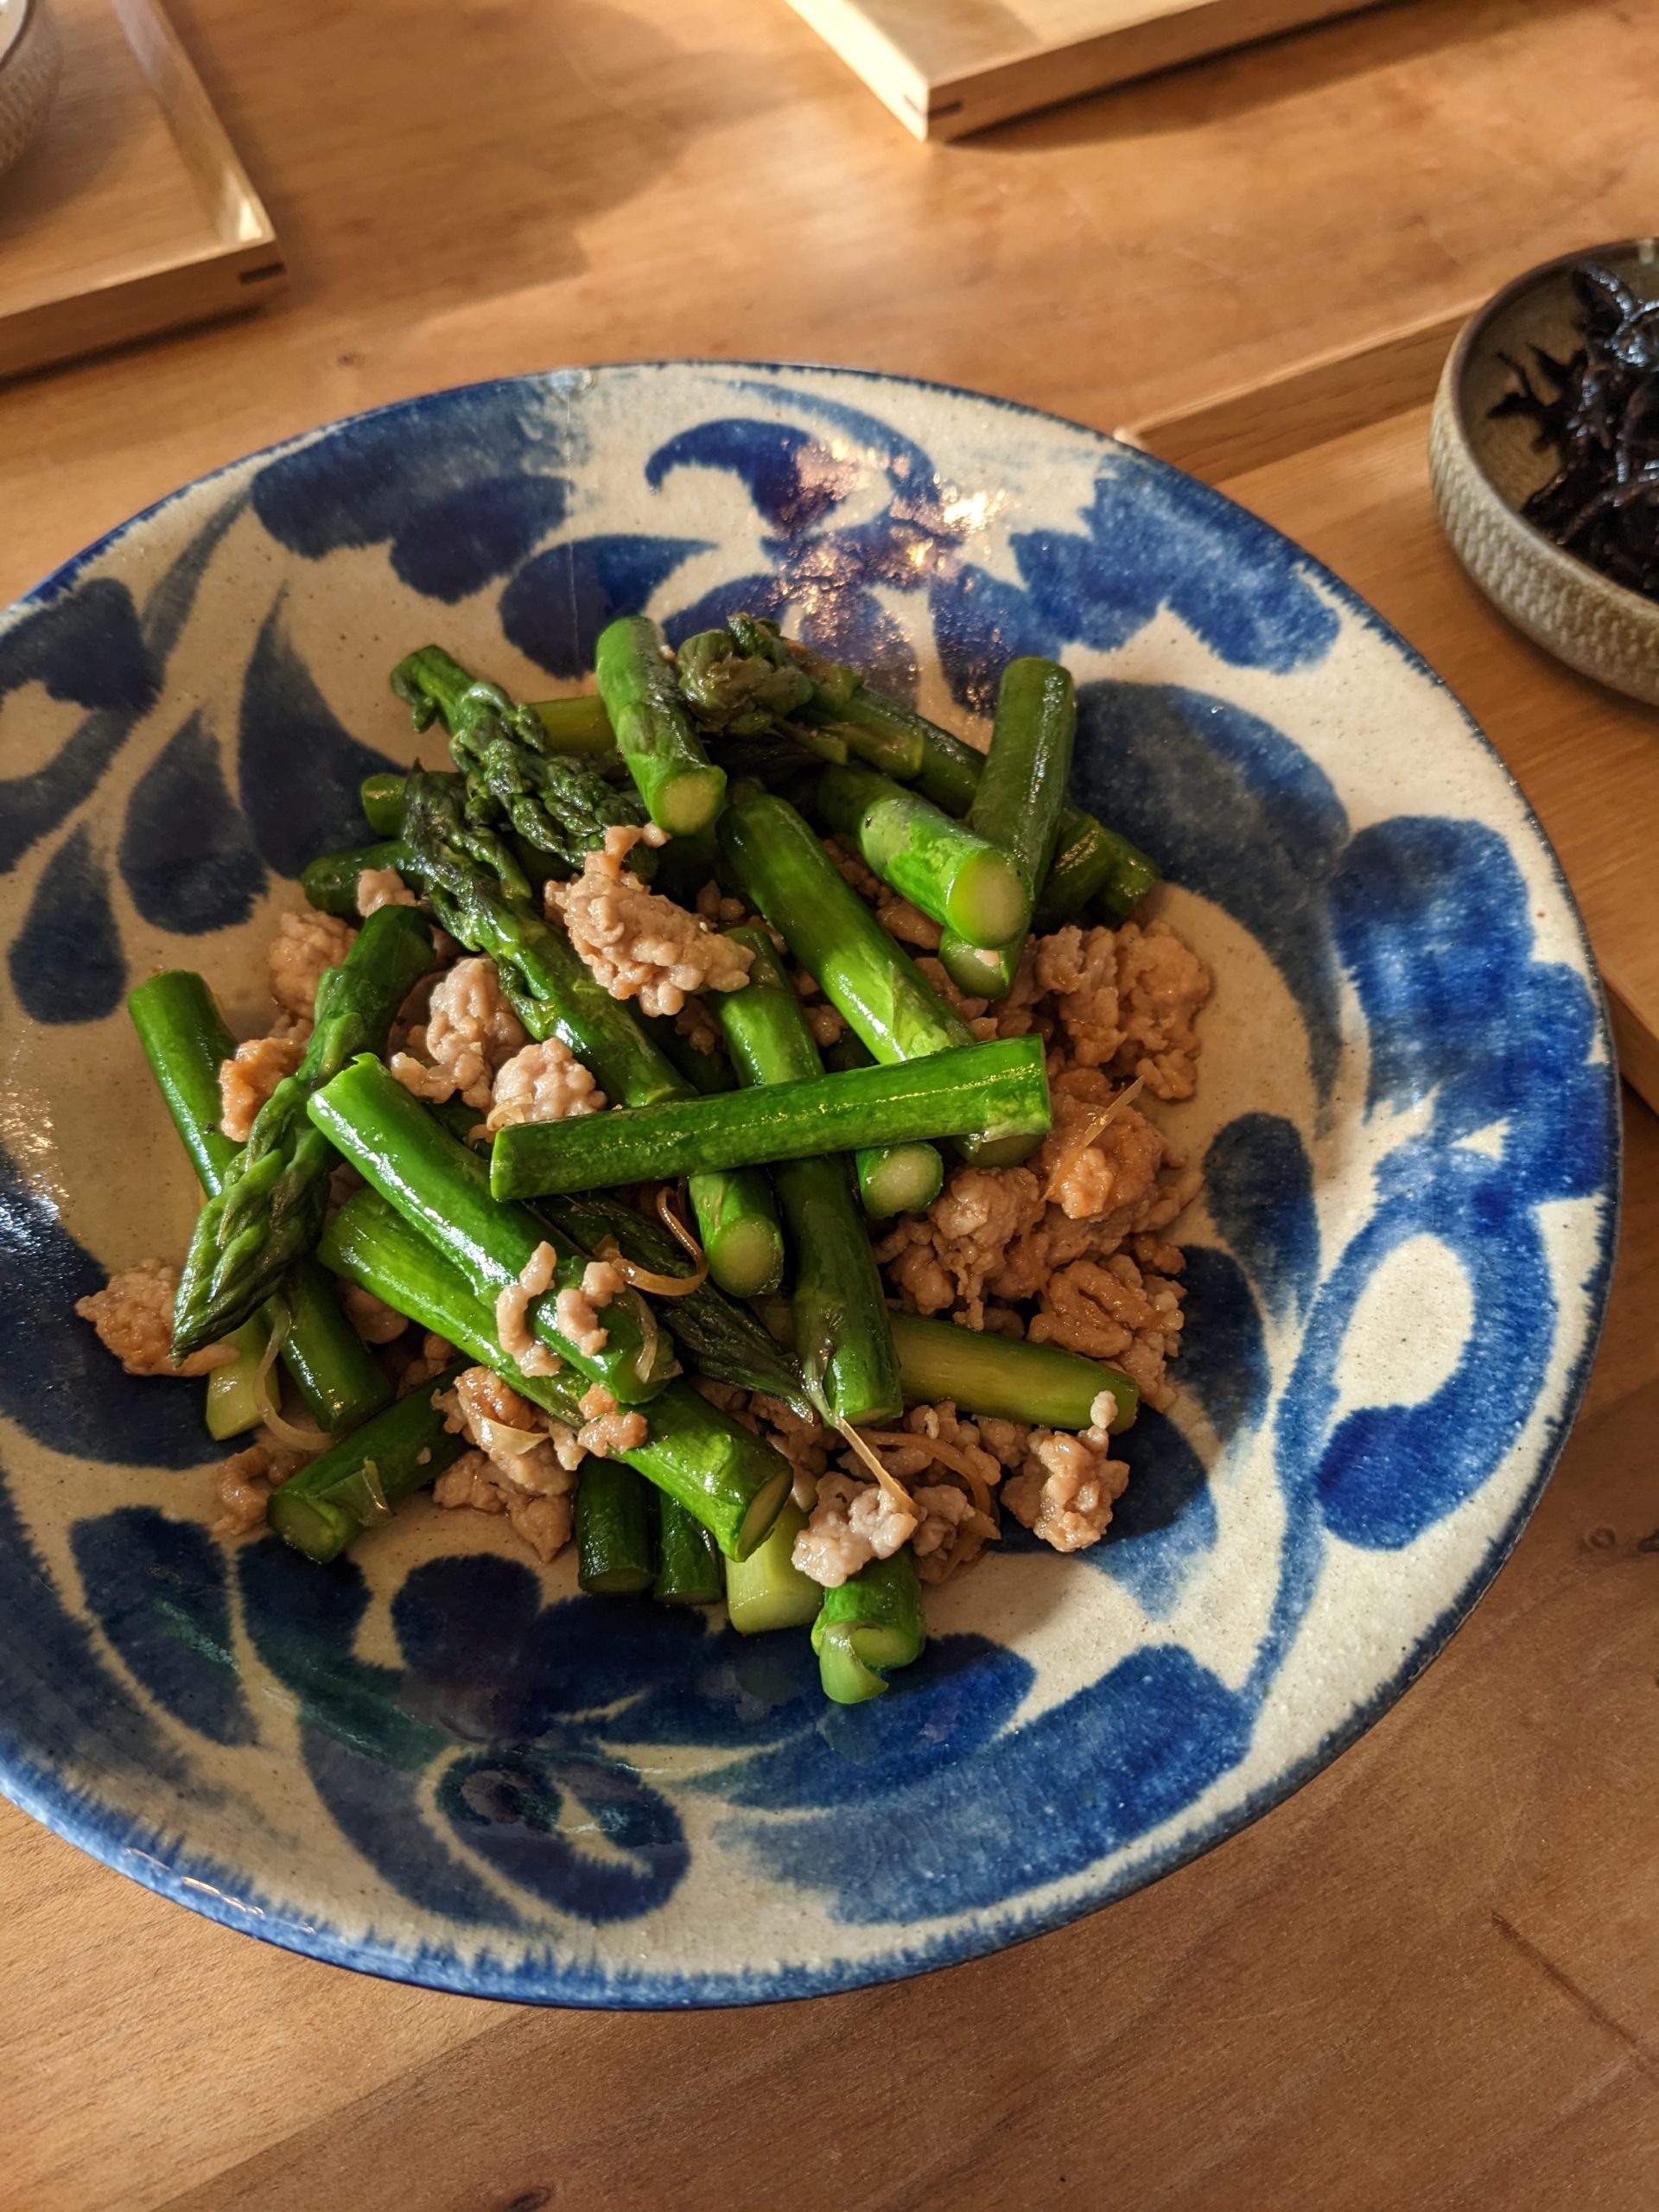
(434, 1355)
(826, 1026)
(1090, 1164)
(1109, 1309)
(133, 1316)
(470, 1032)
(944, 1258)
(946, 1511)
(473, 1480)
(249, 1076)
(381, 886)
(1066, 1491)
(970, 1009)
(375, 1321)
(852, 870)
(305, 946)
(613, 1433)
(242, 1485)
(576, 1309)
(907, 923)
(802, 1439)
(852, 1524)
(543, 1082)
(699, 1028)
(716, 908)
(637, 944)
(498, 1421)
(513, 1326)
(1161, 983)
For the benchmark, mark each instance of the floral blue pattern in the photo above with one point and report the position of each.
(515, 1771)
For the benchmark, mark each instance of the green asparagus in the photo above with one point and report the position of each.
(689, 1567)
(674, 776)
(560, 805)
(271, 1202)
(998, 1089)
(968, 883)
(481, 896)
(731, 1480)
(1018, 803)
(891, 1178)
(1005, 1378)
(767, 1590)
(365, 1477)
(613, 1529)
(842, 1337)
(871, 983)
(442, 1188)
(330, 881)
(872, 1623)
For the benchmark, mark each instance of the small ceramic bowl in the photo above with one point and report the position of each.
(31, 61)
(1483, 468)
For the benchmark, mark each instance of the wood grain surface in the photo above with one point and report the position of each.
(1431, 1980)
(949, 67)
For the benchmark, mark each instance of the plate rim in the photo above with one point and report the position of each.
(543, 1980)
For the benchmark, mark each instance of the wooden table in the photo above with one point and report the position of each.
(1432, 1978)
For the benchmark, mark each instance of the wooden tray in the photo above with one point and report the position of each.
(130, 213)
(1336, 455)
(947, 66)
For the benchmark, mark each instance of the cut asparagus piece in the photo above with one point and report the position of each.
(1005, 1378)
(613, 1530)
(235, 1402)
(384, 798)
(442, 1188)
(872, 1623)
(270, 1205)
(722, 1338)
(689, 1567)
(998, 1090)
(842, 1337)
(330, 882)
(767, 1590)
(871, 983)
(559, 804)
(892, 1177)
(364, 1478)
(733, 1481)
(679, 784)
(737, 1226)
(1019, 803)
(969, 885)
(579, 725)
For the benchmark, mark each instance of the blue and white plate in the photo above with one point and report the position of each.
(440, 1764)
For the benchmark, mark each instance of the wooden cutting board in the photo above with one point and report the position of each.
(947, 66)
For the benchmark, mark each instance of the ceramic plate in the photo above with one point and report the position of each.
(438, 1764)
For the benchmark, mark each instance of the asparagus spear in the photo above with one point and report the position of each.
(767, 1590)
(560, 805)
(269, 1207)
(970, 884)
(873, 985)
(1004, 1377)
(442, 1188)
(891, 1178)
(330, 881)
(748, 678)
(688, 1570)
(481, 896)
(576, 725)
(636, 681)
(366, 1476)
(1018, 801)
(842, 1335)
(998, 1089)
(874, 1622)
(722, 1337)
(613, 1529)
(731, 1480)
(737, 1225)
(383, 798)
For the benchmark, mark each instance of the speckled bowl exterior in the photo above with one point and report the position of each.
(31, 62)
(1482, 470)
(437, 1762)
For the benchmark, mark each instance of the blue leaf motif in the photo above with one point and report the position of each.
(85, 644)
(1259, 1186)
(300, 767)
(980, 624)
(464, 539)
(509, 1807)
(1223, 1354)
(186, 855)
(793, 479)
(156, 1587)
(556, 606)
(1164, 1524)
(853, 625)
(67, 961)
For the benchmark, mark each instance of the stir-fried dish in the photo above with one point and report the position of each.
(715, 1122)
